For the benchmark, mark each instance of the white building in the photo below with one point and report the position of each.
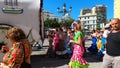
(92, 18)
(49, 15)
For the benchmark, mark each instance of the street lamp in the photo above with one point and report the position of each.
(64, 11)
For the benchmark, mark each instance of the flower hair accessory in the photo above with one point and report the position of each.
(77, 21)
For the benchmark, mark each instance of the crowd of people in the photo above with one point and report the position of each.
(66, 42)
(59, 41)
(102, 44)
(107, 45)
(99, 40)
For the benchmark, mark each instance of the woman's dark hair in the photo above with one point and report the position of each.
(60, 29)
(93, 31)
(57, 29)
(15, 34)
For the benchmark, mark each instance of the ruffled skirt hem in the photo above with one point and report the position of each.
(76, 64)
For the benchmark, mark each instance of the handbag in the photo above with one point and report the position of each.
(25, 64)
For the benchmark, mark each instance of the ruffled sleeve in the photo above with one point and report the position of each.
(14, 57)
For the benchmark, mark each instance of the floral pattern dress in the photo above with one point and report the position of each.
(15, 56)
(77, 60)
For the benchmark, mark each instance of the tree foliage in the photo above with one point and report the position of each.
(51, 23)
(68, 22)
(98, 27)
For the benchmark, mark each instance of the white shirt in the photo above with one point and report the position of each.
(105, 33)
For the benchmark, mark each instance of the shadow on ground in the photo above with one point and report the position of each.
(48, 60)
(42, 61)
(92, 57)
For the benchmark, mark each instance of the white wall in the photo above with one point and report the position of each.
(27, 20)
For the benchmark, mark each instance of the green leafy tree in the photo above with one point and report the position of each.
(51, 23)
(68, 22)
(98, 27)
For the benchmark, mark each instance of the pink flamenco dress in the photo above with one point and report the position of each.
(56, 42)
(77, 60)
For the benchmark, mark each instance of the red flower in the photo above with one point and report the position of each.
(14, 55)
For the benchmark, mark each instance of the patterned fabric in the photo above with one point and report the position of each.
(77, 60)
(15, 56)
(78, 54)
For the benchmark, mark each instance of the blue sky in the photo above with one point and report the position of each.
(77, 5)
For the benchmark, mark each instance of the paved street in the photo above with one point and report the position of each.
(39, 59)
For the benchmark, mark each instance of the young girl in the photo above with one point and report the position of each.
(77, 60)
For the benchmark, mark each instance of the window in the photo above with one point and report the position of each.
(84, 22)
(88, 17)
(88, 22)
(11, 2)
(86, 10)
(93, 21)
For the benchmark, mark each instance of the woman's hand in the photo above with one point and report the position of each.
(5, 48)
(71, 41)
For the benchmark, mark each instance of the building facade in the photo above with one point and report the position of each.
(93, 18)
(117, 9)
(49, 15)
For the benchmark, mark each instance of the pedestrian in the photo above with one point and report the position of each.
(71, 36)
(111, 58)
(50, 38)
(20, 51)
(106, 31)
(66, 40)
(61, 47)
(77, 60)
(93, 47)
